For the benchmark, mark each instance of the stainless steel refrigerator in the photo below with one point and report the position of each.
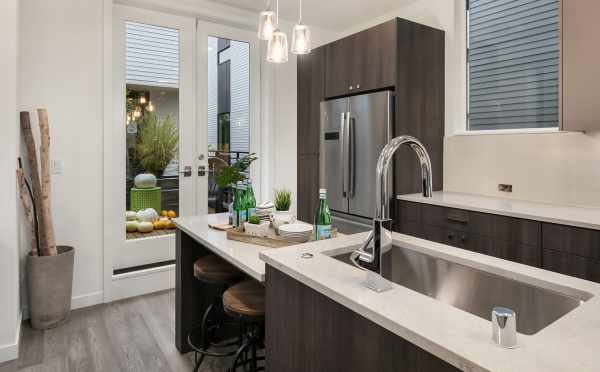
(354, 130)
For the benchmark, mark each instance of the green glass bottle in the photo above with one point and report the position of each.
(250, 200)
(242, 210)
(236, 206)
(323, 218)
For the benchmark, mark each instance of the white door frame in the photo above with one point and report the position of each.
(204, 30)
(118, 252)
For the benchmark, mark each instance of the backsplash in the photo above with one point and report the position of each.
(561, 168)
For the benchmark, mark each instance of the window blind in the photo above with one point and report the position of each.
(513, 64)
(152, 55)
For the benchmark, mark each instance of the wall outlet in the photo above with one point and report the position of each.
(502, 187)
(56, 167)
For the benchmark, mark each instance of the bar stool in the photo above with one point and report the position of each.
(215, 271)
(245, 301)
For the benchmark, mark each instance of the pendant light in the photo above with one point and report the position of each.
(300, 35)
(265, 23)
(277, 48)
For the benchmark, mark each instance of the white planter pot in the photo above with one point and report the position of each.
(261, 229)
(281, 218)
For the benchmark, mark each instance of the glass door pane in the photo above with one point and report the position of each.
(152, 127)
(228, 108)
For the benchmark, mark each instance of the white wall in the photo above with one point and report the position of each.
(551, 167)
(60, 69)
(284, 122)
(9, 140)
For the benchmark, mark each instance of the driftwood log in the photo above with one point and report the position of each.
(40, 185)
(27, 210)
(48, 232)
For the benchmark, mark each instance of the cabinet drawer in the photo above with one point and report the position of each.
(511, 251)
(582, 242)
(570, 264)
(447, 236)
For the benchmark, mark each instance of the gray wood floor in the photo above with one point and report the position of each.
(131, 335)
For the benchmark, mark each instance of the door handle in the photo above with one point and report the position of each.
(351, 154)
(187, 171)
(343, 151)
(201, 170)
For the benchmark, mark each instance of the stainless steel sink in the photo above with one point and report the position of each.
(474, 291)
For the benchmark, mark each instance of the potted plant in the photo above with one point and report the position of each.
(49, 266)
(158, 143)
(256, 227)
(283, 202)
(227, 176)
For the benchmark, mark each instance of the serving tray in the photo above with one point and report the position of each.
(272, 240)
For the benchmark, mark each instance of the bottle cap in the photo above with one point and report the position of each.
(323, 192)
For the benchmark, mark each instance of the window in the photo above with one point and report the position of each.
(513, 64)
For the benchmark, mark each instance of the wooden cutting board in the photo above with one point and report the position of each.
(272, 240)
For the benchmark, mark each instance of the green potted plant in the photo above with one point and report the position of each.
(158, 144)
(283, 203)
(227, 176)
(256, 227)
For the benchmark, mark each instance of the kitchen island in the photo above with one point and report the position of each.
(322, 318)
(194, 239)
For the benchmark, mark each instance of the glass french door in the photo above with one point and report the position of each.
(154, 100)
(228, 127)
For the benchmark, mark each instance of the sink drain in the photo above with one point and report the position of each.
(307, 255)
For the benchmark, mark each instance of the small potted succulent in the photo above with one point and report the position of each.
(256, 227)
(283, 202)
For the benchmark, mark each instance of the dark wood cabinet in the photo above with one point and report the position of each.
(310, 93)
(504, 237)
(362, 62)
(308, 187)
(563, 249)
(312, 333)
(571, 251)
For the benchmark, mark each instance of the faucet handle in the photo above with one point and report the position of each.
(504, 327)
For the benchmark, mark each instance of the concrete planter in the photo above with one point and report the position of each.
(50, 283)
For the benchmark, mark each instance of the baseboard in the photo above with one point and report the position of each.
(88, 299)
(11, 351)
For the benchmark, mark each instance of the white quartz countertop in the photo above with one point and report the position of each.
(458, 337)
(242, 255)
(586, 217)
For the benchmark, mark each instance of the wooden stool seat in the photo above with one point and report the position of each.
(214, 269)
(246, 298)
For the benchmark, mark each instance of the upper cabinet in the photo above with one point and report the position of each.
(581, 61)
(362, 62)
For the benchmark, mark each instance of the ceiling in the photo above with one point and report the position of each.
(336, 15)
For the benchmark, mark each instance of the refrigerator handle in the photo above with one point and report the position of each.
(343, 152)
(351, 154)
(346, 158)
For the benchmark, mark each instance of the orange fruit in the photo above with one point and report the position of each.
(164, 213)
(171, 214)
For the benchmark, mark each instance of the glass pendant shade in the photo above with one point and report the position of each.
(277, 48)
(301, 39)
(266, 24)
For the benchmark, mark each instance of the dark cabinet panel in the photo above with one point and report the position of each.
(419, 103)
(372, 59)
(308, 187)
(508, 238)
(582, 242)
(337, 67)
(526, 254)
(310, 94)
(308, 332)
(570, 264)
(362, 62)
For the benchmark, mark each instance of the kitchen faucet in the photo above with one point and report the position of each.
(370, 258)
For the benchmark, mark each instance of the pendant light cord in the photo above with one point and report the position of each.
(277, 20)
(300, 12)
